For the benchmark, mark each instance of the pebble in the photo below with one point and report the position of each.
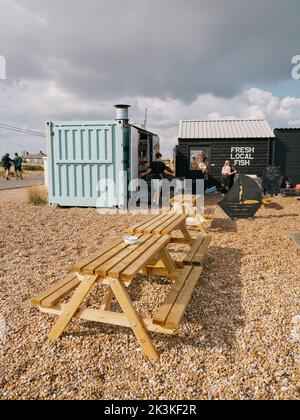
(239, 339)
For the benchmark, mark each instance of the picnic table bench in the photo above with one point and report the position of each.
(172, 311)
(115, 267)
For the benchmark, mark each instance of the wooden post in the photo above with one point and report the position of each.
(107, 301)
(134, 319)
(186, 234)
(72, 307)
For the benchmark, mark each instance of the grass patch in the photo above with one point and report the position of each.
(38, 196)
(32, 168)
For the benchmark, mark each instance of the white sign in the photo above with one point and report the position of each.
(2, 68)
(242, 156)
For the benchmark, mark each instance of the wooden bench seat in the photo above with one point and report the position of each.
(198, 251)
(57, 292)
(172, 311)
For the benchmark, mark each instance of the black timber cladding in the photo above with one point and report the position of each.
(261, 155)
(287, 154)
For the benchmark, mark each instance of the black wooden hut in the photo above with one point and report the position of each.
(287, 154)
(248, 144)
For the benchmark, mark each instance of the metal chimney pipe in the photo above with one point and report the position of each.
(122, 112)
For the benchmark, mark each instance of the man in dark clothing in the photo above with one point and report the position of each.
(158, 169)
(18, 166)
(6, 163)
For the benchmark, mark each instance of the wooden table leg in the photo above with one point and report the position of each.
(72, 307)
(168, 262)
(107, 301)
(186, 234)
(134, 318)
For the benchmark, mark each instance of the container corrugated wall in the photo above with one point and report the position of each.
(82, 154)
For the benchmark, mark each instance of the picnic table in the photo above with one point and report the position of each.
(115, 267)
(187, 204)
(165, 224)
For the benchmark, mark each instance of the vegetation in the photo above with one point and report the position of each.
(38, 196)
(33, 168)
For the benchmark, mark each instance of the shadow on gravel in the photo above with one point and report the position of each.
(215, 312)
(279, 216)
(223, 225)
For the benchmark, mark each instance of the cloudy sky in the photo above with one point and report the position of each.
(181, 59)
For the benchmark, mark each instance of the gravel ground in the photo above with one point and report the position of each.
(239, 339)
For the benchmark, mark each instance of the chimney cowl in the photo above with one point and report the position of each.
(122, 112)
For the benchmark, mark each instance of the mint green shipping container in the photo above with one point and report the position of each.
(84, 155)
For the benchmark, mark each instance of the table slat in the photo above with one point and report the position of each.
(173, 218)
(122, 257)
(135, 256)
(133, 269)
(81, 264)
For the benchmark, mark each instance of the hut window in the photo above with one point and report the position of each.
(198, 158)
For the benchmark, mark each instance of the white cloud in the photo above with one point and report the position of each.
(30, 103)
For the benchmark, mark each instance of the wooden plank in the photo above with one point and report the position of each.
(202, 229)
(155, 227)
(131, 271)
(164, 225)
(186, 234)
(123, 256)
(81, 264)
(72, 307)
(91, 268)
(61, 283)
(163, 312)
(107, 301)
(167, 261)
(177, 312)
(142, 224)
(181, 241)
(162, 272)
(57, 296)
(175, 225)
(202, 251)
(189, 257)
(134, 319)
(107, 317)
(145, 226)
(134, 257)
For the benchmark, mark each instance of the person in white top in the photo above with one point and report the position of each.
(228, 174)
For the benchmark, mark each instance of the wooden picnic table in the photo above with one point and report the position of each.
(187, 204)
(115, 266)
(165, 225)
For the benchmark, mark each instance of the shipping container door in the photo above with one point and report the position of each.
(81, 156)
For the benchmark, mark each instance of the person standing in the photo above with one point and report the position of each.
(228, 174)
(203, 165)
(158, 169)
(18, 166)
(6, 163)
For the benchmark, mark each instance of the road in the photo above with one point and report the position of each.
(15, 184)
